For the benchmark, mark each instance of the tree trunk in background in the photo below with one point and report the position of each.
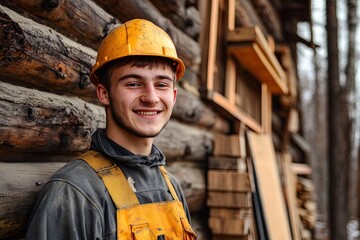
(338, 140)
(351, 92)
(319, 161)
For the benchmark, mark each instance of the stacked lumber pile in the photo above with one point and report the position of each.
(229, 190)
(306, 206)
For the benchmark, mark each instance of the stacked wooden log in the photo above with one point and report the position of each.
(229, 191)
(307, 206)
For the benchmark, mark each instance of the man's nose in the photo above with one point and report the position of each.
(149, 95)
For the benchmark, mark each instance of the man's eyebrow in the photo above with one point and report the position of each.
(137, 76)
(160, 76)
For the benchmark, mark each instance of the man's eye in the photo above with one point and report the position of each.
(161, 85)
(133, 84)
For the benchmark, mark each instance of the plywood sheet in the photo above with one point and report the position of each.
(269, 185)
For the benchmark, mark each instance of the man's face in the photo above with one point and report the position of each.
(141, 99)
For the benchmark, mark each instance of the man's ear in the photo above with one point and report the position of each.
(102, 94)
(175, 94)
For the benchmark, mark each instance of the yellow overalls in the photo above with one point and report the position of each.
(159, 221)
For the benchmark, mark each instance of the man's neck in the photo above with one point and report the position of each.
(136, 145)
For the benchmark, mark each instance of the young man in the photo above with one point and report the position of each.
(119, 189)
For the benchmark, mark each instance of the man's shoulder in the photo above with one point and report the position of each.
(78, 175)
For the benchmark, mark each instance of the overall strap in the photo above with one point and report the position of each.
(113, 178)
(115, 181)
(168, 182)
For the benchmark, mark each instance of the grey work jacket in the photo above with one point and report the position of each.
(75, 204)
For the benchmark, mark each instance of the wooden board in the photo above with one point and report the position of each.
(230, 237)
(290, 184)
(227, 163)
(268, 180)
(230, 226)
(230, 212)
(229, 199)
(228, 181)
(229, 145)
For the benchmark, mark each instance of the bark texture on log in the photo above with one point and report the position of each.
(21, 182)
(190, 108)
(245, 15)
(186, 18)
(183, 142)
(41, 122)
(270, 18)
(188, 49)
(34, 55)
(193, 182)
(81, 20)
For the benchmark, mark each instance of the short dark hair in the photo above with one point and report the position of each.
(104, 73)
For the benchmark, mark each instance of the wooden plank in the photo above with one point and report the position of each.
(230, 212)
(294, 121)
(234, 111)
(230, 83)
(266, 108)
(230, 237)
(230, 226)
(228, 181)
(212, 45)
(290, 187)
(228, 145)
(229, 199)
(301, 169)
(227, 163)
(268, 181)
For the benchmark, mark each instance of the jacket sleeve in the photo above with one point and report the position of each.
(62, 211)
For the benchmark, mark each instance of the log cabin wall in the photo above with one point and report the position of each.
(48, 105)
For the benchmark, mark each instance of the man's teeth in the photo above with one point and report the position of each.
(147, 113)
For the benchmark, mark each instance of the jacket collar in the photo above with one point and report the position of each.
(102, 143)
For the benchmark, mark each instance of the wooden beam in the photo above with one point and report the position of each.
(234, 111)
(38, 57)
(80, 20)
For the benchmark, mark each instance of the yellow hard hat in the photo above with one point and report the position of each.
(137, 37)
